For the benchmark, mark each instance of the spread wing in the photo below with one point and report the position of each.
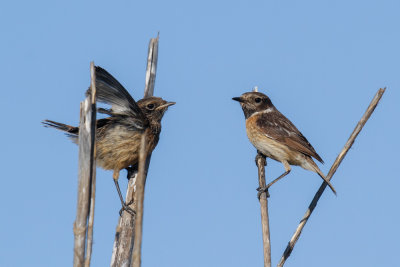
(279, 128)
(111, 92)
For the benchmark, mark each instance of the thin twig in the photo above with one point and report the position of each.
(261, 162)
(332, 171)
(89, 238)
(124, 236)
(86, 174)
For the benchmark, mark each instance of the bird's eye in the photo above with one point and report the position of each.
(258, 100)
(150, 106)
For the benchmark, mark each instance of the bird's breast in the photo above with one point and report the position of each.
(266, 145)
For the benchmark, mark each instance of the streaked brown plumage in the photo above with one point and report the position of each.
(118, 136)
(276, 137)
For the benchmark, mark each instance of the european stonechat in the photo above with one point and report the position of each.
(118, 136)
(276, 137)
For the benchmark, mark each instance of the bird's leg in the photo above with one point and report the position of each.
(265, 189)
(131, 171)
(287, 170)
(124, 206)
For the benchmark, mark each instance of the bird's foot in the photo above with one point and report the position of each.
(131, 170)
(130, 202)
(125, 207)
(262, 190)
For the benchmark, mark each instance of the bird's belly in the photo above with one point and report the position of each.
(120, 148)
(118, 154)
(272, 148)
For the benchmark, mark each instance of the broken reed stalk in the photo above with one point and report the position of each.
(125, 232)
(152, 58)
(87, 172)
(261, 163)
(332, 171)
(89, 238)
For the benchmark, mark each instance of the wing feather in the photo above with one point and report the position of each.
(279, 128)
(110, 91)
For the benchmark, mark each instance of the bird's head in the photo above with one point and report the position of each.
(252, 102)
(154, 107)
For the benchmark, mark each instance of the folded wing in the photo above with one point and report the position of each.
(279, 128)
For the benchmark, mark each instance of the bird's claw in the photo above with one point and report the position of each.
(262, 190)
(261, 157)
(127, 209)
(131, 170)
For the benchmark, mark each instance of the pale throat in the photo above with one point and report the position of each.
(268, 110)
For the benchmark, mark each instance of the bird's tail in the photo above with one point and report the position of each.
(312, 166)
(70, 131)
(326, 180)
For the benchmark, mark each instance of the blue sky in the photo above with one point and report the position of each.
(320, 62)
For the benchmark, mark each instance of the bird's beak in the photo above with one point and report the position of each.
(239, 99)
(166, 105)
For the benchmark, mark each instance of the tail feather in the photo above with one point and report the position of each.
(326, 180)
(309, 164)
(71, 131)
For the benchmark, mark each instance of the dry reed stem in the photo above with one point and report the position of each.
(123, 243)
(332, 171)
(261, 162)
(87, 128)
(125, 232)
(89, 238)
(139, 197)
